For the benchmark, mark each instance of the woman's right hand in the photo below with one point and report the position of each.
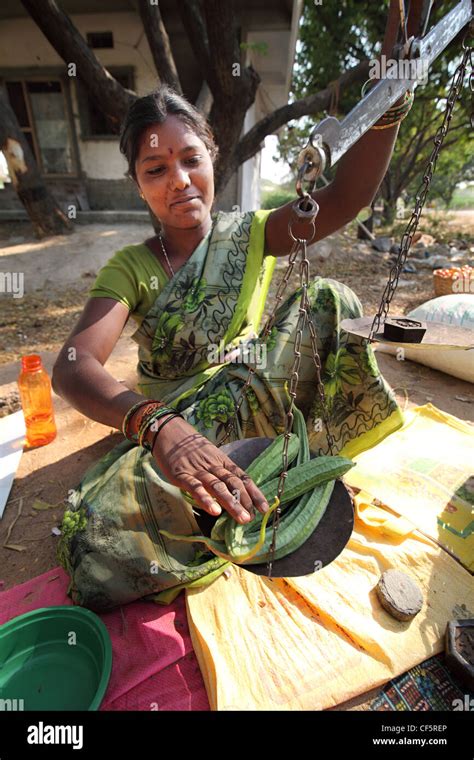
(194, 464)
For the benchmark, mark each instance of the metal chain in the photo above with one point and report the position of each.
(305, 209)
(395, 271)
(303, 318)
(471, 75)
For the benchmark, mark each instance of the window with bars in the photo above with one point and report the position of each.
(40, 108)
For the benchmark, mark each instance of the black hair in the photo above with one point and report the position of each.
(153, 109)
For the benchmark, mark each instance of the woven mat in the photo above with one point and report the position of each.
(428, 686)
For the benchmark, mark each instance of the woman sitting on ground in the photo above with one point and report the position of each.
(200, 287)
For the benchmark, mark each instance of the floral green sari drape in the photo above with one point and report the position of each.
(115, 553)
(214, 301)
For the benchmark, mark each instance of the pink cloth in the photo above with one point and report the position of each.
(153, 662)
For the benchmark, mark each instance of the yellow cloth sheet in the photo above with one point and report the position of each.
(425, 472)
(312, 642)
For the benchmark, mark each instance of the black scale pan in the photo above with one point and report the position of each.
(323, 546)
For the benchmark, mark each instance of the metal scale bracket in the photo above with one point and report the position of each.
(331, 139)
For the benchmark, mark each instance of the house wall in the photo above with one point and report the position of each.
(101, 165)
(101, 177)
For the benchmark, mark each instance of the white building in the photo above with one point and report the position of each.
(77, 154)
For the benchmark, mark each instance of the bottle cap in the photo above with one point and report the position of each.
(32, 361)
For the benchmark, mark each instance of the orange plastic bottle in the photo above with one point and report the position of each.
(35, 394)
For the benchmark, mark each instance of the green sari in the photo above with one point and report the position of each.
(115, 553)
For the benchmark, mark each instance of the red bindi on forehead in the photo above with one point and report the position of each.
(170, 151)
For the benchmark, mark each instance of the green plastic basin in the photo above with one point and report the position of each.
(54, 658)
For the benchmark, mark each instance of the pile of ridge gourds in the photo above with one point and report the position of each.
(306, 494)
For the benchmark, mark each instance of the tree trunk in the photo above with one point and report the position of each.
(214, 39)
(45, 214)
(159, 43)
(389, 211)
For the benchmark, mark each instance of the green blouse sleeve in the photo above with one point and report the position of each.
(117, 279)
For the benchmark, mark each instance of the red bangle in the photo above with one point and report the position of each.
(145, 410)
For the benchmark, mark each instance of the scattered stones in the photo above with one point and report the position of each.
(419, 253)
(399, 595)
(435, 262)
(439, 249)
(459, 259)
(374, 256)
(439, 262)
(382, 244)
(363, 248)
(321, 250)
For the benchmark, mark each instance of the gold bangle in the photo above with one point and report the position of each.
(386, 126)
(390, 119)
(390, 124)
(400, 109)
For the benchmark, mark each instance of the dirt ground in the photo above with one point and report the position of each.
(58, 274)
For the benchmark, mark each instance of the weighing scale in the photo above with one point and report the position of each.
(328, 141)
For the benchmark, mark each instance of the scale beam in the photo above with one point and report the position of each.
(337, 137)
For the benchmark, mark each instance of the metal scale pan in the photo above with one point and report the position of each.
(437, 335)
(323, 546)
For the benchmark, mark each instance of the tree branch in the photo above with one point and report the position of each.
(418, 136)
(415, 166)
(196, 31)
(159, 44)
(107, 93)
(312, 104)
(204, 99)
(227, 83)
(421, 120)
(223, 48)
(410, 159)
(430, 139)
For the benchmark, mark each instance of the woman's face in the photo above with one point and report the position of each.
(172, 164)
